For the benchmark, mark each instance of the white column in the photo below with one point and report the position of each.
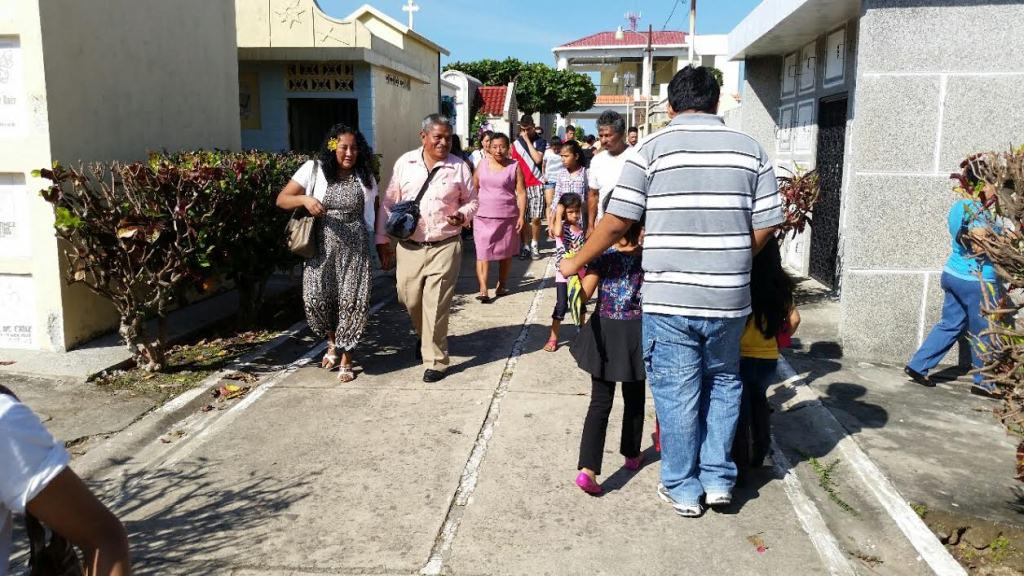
(645, 88)
(563, 63)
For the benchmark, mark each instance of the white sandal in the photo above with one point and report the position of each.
(345, 373)
(330, 358)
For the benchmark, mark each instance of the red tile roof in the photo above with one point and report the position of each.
(605, 39)
(494, 99)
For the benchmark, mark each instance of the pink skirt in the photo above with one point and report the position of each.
(495, 238)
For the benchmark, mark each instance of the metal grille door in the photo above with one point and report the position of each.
(309, 119)
(825, 222)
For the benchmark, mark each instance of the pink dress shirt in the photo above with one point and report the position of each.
(449, 192)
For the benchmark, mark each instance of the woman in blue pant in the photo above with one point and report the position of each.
(963, 287)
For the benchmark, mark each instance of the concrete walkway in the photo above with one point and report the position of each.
(388, 475)
(942, 447)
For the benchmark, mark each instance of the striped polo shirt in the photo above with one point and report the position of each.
(703, 188)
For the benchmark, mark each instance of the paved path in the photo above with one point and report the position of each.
(388, 475)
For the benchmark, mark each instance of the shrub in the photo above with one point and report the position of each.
(244, 243)
(143, 234)
(131, 233)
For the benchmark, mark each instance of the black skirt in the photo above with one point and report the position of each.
(610, 349)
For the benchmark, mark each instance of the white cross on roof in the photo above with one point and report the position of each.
(410, 7)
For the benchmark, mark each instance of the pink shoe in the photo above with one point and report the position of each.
(587, 484)
(634, 464)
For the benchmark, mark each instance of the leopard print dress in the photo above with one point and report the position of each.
(336, 282)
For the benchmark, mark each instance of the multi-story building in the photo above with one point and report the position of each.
(633, 70)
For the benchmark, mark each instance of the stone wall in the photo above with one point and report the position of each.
(924, 100)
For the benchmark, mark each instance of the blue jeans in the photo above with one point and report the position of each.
(961, 310)
(693, 369)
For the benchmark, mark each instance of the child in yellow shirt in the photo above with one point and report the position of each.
(773, 315)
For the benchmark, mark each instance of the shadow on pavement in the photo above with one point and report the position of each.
(618, 479)
(180, 516)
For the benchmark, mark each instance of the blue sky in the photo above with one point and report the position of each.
(529, 29)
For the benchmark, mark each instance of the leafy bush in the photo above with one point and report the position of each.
(244, 242)
(800, 192)
(143, 234)
(131, 234)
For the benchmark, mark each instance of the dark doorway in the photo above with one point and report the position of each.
(825, 222)
(309, 119)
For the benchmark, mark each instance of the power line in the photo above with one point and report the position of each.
(670, 15)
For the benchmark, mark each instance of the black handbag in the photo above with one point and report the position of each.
(53, 556)
(405, 216)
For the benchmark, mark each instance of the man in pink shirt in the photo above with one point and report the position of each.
(429, 261)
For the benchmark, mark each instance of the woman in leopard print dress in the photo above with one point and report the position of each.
(339, 190)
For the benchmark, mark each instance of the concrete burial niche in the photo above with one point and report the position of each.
(919, 100)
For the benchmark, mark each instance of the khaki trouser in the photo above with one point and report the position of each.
(425, 278)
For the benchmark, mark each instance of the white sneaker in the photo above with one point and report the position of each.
(718, 498)
(684, 510)
(535, 252)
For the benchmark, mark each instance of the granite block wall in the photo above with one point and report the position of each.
(922, 101)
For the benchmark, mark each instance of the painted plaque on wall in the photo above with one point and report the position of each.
(17, 311)
(804, 127)
(835, 58)
(784, 135)
(790, 68)
(14, 241)
(249, 100)
(12, 88)
(808, 67)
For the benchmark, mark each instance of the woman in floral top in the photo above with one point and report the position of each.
(610, 349)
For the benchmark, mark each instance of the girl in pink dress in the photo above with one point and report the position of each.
(500, 217)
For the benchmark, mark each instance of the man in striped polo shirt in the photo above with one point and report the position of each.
(710, 201)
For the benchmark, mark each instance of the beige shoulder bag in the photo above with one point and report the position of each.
(299, 231)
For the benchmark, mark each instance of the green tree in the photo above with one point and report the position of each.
(717, 74)
(539, 88)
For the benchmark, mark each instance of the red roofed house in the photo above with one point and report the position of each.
(499, 104)
(632, 79)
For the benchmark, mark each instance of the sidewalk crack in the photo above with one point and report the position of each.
(470, 474)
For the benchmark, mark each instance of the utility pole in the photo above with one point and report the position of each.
(648, 77)
(693, 27)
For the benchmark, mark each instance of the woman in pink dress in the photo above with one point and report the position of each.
(498, 221)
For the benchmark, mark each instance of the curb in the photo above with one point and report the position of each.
(155, 422)
(878, 484)
(151, 425)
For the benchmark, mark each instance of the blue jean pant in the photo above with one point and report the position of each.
(693, 371)
(961, 310)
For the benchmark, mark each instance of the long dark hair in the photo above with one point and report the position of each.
(577, 151)
(364, 156)
(771, 290)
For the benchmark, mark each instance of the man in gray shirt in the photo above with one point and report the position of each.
(709, 200)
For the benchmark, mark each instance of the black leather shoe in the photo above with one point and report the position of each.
(431, 376)
(918, 377)
(987, 391)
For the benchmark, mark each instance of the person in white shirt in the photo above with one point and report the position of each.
(35, 478)
(606, 166)
(633, 136)
(481, 152)
(552, 170)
